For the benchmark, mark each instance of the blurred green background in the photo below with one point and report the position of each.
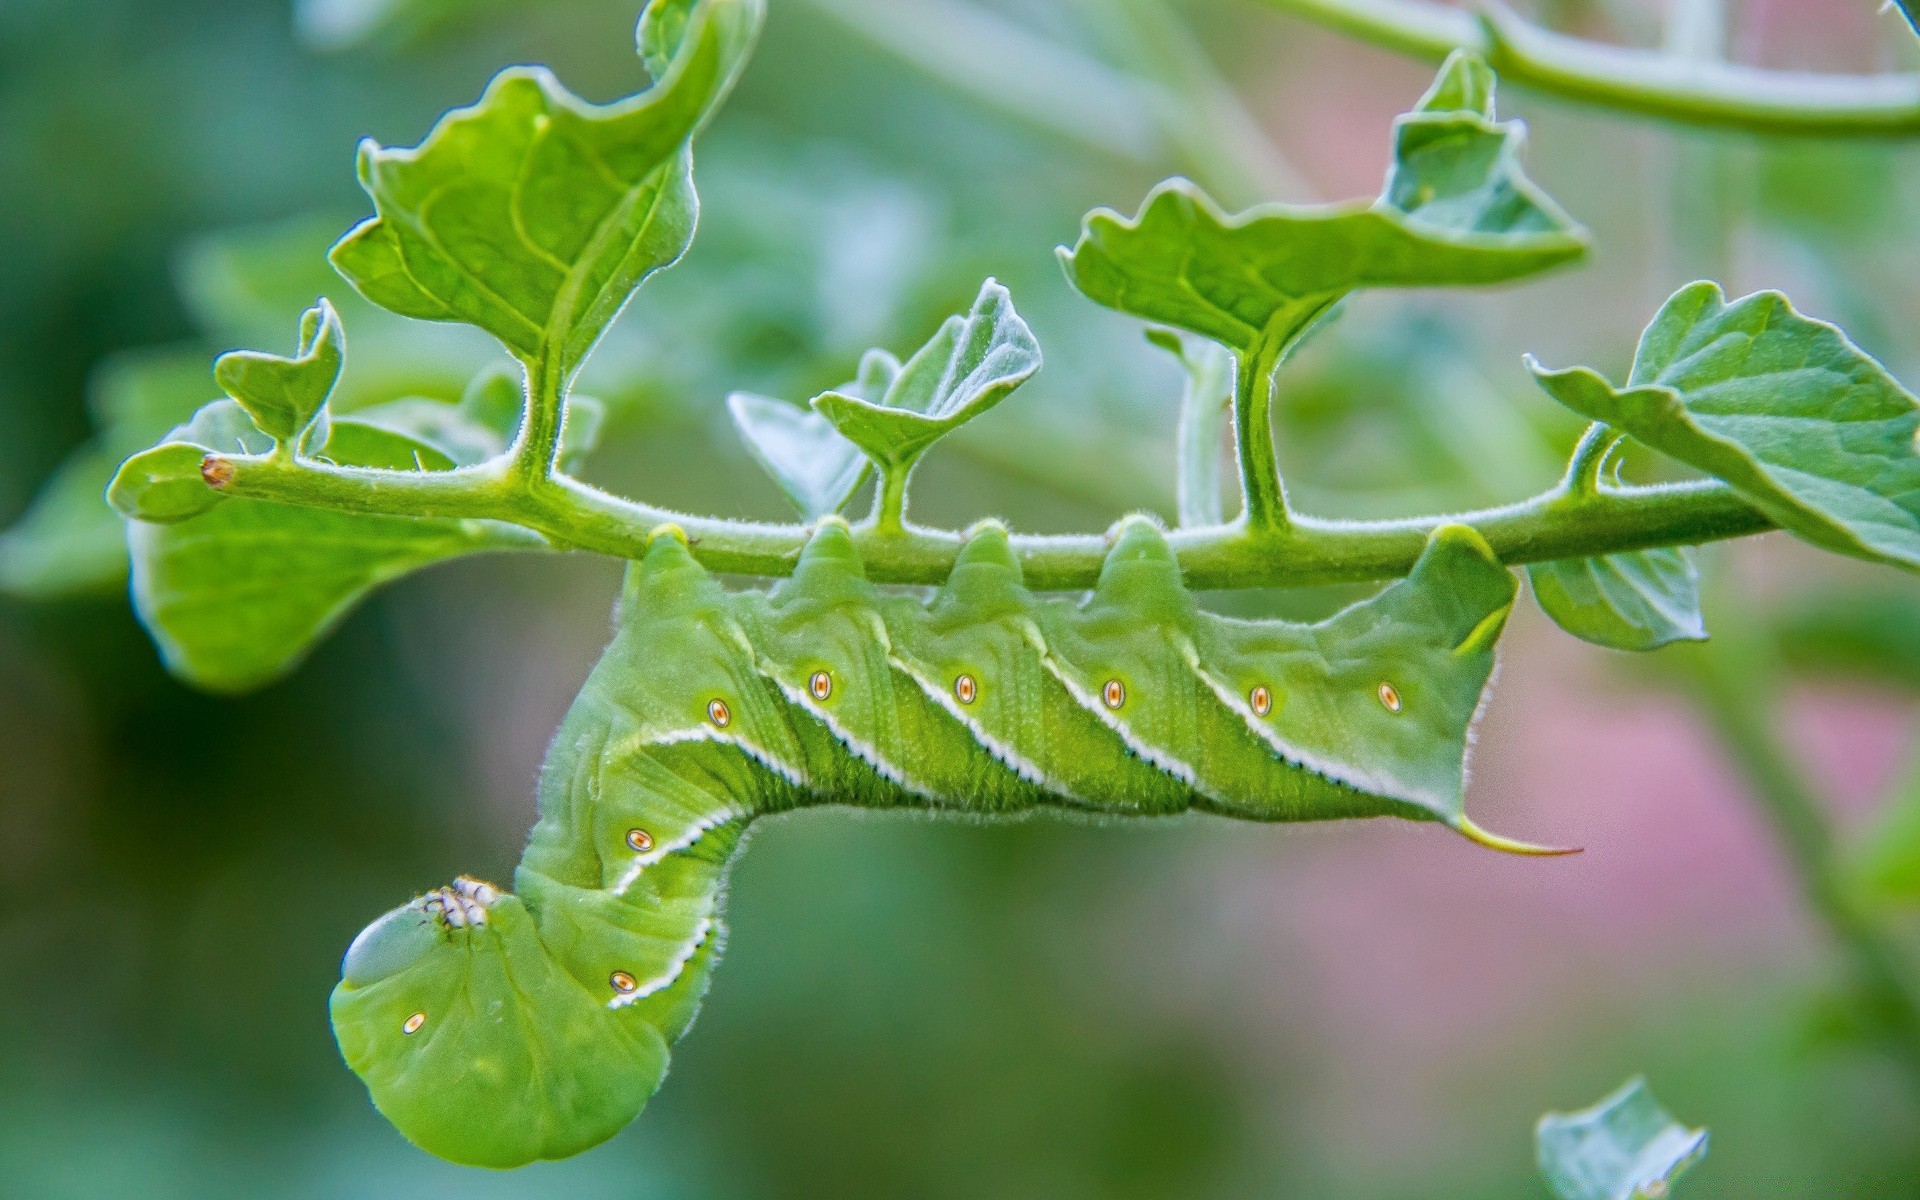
(1048, 1010)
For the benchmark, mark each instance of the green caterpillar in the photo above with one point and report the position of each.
(499, 1028)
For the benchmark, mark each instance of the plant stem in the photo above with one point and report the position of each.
(890, 505)
(1583, 471)
(1730, 684)
(1670, 87)
(1266, 503)
(536, 448)
(575, 516)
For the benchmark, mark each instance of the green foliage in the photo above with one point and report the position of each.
(1624, 1148)
(817, 468)
(1638, 601)
(1809, 428)
(236, 597)
(972, 363)
(533, 214)
(285, 396)
(1456, 211)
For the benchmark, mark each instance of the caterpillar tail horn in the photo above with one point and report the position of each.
(1466, 828)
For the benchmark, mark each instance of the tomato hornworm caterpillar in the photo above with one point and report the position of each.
(498, 1028)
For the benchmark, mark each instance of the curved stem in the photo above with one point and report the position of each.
(575, 516)
(536, 448)
(1266, 503)
(1583, 471)
(1670, 87)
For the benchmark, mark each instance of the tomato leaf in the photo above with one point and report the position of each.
(284, 396)
(1806, 425)
(1456, 210)
(534, 214)
(1638, 601)
(973, 362)
(1624, 1148)
(237, 594)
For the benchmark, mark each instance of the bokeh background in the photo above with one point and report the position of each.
(1046, 1010)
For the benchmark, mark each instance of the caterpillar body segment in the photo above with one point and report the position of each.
(501, 1028)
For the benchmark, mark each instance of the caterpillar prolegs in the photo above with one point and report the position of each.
(499, 1028)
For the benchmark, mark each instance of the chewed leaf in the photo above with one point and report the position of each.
(284, 396)
(1807, 426)
(1624, 1148)
(237, 595)
(973, 362)
(1456, 211)
(534, 214)
(1206, 407)
(1637, 601)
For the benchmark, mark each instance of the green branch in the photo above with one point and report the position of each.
(574, 516)
(1670, 87)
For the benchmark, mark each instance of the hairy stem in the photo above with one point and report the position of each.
(1670, 87)
(1730, 686)
(890, 503)
(1266, 503)
(1583, 471)
(536, 449)
(575, 516)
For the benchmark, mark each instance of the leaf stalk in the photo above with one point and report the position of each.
(1266, 500)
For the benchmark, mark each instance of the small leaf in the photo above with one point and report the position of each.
(1624, 1148)
(533, 214)
(237, 596)
(235, 599)
(1636, 601)
(1456, 211)
(1206, 408)
(1465, 84)
(817, 468)
(412, 434)
(973, 362)
(284, 396)
(1809, 428)
(163, 485)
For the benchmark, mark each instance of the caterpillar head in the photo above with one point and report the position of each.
(474, 1041)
